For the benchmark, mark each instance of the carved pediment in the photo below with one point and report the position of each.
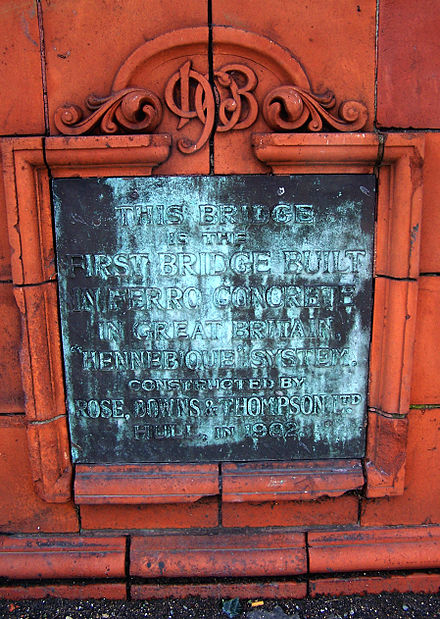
(167, 85)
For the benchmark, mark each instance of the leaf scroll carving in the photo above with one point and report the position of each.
(287, 108)
(130, 110)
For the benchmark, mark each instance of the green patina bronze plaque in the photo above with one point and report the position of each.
(215, 318)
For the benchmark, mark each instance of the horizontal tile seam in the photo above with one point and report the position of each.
(42, 422)
(87, 582)
(35, 544)
(295, 473)
(72, 551)
(57, 141)
(35, 284)
(395, 278)
(142, 475)
(424, 406)
(405, 130)
(196, 495)
(358, 531)
(358, 575)
(15, 136)
(95, 475)
(295, 492)
(377, 542)
(388, 415)
(175, 551)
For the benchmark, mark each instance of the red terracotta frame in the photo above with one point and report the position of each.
(29, 163)
(397, 159)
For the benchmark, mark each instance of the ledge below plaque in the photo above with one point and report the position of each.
(289, 481)
(137, 484)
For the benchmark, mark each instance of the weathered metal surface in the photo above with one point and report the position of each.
(215, 318)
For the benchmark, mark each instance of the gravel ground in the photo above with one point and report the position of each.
(389, 606)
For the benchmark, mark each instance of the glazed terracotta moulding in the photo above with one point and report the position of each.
(164, 107)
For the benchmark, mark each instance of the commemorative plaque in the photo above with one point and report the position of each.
(217, 317)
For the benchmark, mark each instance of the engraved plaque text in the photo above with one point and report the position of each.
(215, 318)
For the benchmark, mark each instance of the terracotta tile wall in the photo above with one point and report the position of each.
(57, 52)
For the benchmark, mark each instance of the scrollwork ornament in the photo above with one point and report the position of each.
(287, 108)
(129, 110)
(228, 100)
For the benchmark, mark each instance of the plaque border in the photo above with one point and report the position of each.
(28, 164)
(396, 159)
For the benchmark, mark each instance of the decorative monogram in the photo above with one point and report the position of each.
(200, 105)
(237, 106)
(227, 103)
